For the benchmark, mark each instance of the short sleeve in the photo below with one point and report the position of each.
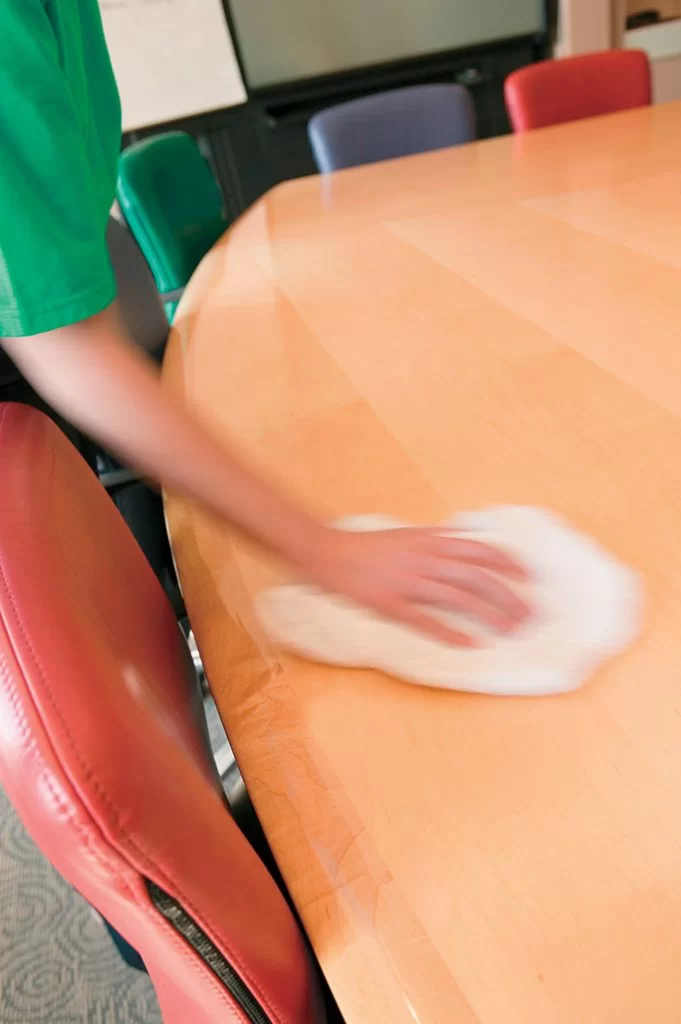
(54, 265)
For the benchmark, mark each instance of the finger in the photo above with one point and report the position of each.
(412, 615)
(474, 552)
(463, 601)
(479, 583)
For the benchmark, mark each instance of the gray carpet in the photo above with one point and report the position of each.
(57, 962)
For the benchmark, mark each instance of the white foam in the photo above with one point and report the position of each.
(588, 607)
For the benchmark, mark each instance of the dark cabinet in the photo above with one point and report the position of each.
(256, 146)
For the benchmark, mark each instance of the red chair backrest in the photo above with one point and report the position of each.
(102, 755)
(554, 91)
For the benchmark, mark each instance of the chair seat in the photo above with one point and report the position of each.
(172, 205)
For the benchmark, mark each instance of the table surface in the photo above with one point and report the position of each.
(495, 323)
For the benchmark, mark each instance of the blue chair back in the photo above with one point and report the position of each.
(391, 124)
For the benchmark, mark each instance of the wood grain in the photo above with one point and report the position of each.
(495, 323)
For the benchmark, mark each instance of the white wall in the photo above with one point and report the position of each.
(667, 79)
(588, 25)
(662, 43)
(585, 26)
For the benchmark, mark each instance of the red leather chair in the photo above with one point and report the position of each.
(554, 91)
(103, 758)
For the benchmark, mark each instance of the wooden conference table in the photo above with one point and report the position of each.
(495, 323)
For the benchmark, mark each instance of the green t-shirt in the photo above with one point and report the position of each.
(60, 128)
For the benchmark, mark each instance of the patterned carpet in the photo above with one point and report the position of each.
(57, 962)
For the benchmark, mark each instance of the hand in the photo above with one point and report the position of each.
(398, 572)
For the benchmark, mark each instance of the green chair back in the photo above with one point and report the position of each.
(172, 204)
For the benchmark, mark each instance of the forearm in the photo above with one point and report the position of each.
(94, 377)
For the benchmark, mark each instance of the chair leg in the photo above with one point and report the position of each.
(142, 510)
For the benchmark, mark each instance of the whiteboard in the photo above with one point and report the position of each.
(172, 59)
(286, 40)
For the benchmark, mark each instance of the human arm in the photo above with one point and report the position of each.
(95, 378)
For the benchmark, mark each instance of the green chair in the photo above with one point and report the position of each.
(173, 207)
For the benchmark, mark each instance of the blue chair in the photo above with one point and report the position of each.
(391, 124)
